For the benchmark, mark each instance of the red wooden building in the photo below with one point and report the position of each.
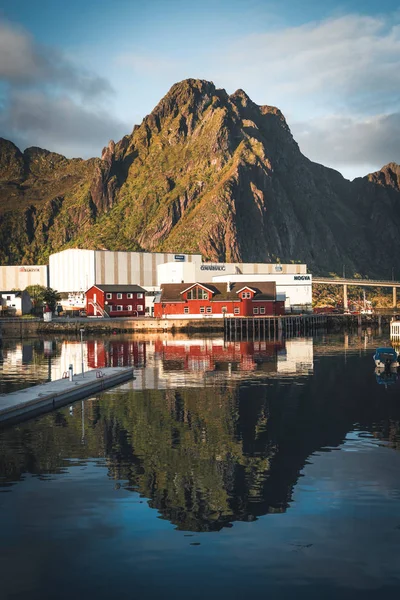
(115, 301)
(199, 300)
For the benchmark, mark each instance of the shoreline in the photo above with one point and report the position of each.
(20, 327)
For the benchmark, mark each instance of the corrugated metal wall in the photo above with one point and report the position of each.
(19, 277)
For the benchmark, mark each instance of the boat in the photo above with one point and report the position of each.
(386, 358)
(385, 377)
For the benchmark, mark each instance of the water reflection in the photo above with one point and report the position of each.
(207, 456)
(159, 362)
(164, 361)
(166, 487)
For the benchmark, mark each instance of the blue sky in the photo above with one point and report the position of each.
(75, 74)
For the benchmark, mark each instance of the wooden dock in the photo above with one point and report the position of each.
(254, 328)
(45, 397)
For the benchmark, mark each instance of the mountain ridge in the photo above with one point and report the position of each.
(204, 172)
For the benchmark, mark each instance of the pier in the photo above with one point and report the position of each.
(45, 397)
(272, 327)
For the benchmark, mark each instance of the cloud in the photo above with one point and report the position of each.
(58, 123)
(340, 60)
(337, 81)
(23, 62)
(346, 140)
(48, 101)
(146, 64)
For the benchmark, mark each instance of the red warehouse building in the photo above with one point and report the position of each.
(115, 301)
(218, 299)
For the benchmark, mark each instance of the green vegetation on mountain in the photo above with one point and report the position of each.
(205, 172)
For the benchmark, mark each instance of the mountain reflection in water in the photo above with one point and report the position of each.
(214, 451)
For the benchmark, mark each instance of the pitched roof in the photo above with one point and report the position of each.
(264, 290)
(15, 293)
(202, 285)
(119, 288)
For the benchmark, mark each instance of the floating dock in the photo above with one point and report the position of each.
(45, 397)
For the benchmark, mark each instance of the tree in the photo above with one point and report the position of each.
(51, 297)
(41, 295)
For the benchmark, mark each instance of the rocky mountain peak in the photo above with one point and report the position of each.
(108, 151)
(388, 175)
(204, 172)
(11, 161)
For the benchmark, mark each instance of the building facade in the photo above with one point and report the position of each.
(175, 272)
(217, 300)
(115, 301)
(15, 303)
(295, 289)
(293, 283)
(76, 270)
(19, 277)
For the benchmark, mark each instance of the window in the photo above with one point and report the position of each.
(246, 295)
(109, 296)
(8, 297)
(202, 309)
(119, 296)
(140, 296)
(139, 307)
(262, 310)
(119, 307)
(255, 311)
(114, 309)
(186, 310)
(197, 294)
(236, 311)
(130, 296)
(129, 307)
(208, 309)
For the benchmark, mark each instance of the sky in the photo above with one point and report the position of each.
(75, 74)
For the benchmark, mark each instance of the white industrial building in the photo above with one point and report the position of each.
(293, 283)
(73, 271)
(76, 270)
(19, 277)
(196, 270)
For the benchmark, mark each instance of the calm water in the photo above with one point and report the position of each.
(223, 470)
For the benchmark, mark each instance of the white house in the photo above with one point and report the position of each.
(15, 303)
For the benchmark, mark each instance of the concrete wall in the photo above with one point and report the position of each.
(20, 276)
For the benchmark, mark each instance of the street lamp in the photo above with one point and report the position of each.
(83, 369)
(344, 272)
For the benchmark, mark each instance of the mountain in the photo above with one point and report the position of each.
(204, 172)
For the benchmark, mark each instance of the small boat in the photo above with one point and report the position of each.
(386, 358)
(385, 377)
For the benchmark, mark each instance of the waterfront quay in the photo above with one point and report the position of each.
(287, 324)
(54, 394)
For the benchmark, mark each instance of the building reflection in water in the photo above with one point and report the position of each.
(219, 449)
(160, 363)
